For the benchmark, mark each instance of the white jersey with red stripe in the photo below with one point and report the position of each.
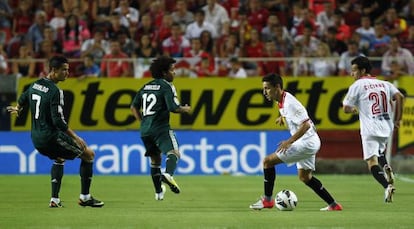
(295, 114)
(373, 99)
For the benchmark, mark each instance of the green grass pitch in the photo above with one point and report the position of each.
(205, 202)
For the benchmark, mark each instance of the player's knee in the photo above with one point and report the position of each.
(59, 161)
(156, 159)
(176, 153)
(88, 155)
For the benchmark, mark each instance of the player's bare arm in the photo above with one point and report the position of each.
(137, 114)
(280, 121)
(399, 104)
(78, 139)
(284, 145)
(350, 109)
(183, 109)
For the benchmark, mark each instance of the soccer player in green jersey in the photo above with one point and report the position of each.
(152, 106)
(50, 133)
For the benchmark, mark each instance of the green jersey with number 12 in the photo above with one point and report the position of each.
(156, 100)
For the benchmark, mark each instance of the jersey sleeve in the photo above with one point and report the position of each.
(298, 113)
(136, 102)
(24, 98)
(56, 109)
(351, 97)
(171, 99)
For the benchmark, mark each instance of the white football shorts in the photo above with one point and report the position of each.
(302, 152)
(372, 146)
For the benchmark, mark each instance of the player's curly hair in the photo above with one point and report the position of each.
(274, 79)
(160, 66)
(363, 63)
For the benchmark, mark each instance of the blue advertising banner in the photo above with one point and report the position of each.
(122, 153)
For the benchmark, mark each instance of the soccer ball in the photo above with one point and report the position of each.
(286, 200)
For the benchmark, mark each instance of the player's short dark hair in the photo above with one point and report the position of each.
(57, 62)
(160, 66)
(274, 79)
(363, 63)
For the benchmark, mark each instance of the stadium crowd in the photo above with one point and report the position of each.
(228, 38)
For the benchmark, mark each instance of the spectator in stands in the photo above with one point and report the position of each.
(22, 19)
(395, 73)
(205, 68)
(25, 65)
(143, 54)
(323, 65)
(378, 46)
(71, 6)
(256, 14)
(35, 34)
(6, 15)
(115, 27)
(51, 35)
(408, 12)
(254, 48)
(218, 16)
(363, 44)
(283, 40)
(156, 11)
(269, 31)
(375, 9)
(273, 66)
(193, 56)
(97, 46)
(227, 49)
(58, 21)
(200, 24)
(48, 7)
(88, 68)
(164, 31)
(395, 25)
(115, 64)
(344, 64)
(101, 12)
(325, 18)
(236, 69)
(299, 65)
(208, 43)
(402, 56)
(337, 46)
(182, 15)
(408, 42)
(343, 30)
(308, 42)
(176, 45)
(306, 20)
(146, 27)
(73, 36)
(129, 15)
(127, 44)
(366, 30)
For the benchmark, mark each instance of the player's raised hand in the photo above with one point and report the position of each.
(14, 110)
(280, 121)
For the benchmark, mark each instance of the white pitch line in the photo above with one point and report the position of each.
(406, 179)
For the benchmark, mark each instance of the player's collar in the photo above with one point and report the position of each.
(282, 102)
(368, 77)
